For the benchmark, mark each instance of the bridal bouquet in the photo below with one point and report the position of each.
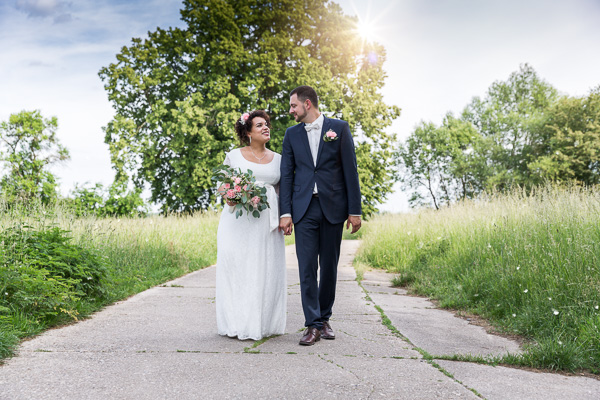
(241, 188)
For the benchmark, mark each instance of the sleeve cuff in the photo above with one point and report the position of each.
(285, 216)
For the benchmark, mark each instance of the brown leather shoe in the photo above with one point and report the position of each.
(327, 332)
(311, 336)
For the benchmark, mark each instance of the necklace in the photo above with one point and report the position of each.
(259, 159)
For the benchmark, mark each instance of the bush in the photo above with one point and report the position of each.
(115, 201)
(43, 275)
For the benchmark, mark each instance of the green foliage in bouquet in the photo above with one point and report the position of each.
(242, 189)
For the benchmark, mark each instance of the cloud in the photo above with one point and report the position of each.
(44, 8)
(63, 18)
(39, 63)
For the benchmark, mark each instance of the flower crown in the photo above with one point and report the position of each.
(244, 118)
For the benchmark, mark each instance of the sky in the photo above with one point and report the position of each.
(440, 54)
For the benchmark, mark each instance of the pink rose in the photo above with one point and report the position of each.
(231, 193)
(244, 117)
(237, 181)
(226, 186)
(255, 200)
(238, 189)
(331, 134)
(245, 187)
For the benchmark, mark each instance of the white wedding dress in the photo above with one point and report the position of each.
(251, 278)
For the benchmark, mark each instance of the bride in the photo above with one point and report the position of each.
(251, 277)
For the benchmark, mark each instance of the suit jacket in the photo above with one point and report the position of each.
(336, 173)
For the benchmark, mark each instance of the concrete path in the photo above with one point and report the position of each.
(162, 344)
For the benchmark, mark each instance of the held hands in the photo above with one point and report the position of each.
(286, 225)
(353, 220)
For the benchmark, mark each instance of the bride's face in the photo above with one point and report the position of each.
(260, 132)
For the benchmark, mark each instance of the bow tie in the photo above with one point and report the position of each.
(311, 127)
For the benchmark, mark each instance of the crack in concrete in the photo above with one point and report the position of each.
(426, 356)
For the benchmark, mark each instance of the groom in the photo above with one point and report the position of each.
(319, 190)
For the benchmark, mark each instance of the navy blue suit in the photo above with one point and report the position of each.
(319, 220)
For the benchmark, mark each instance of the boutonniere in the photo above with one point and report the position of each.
(330, 136)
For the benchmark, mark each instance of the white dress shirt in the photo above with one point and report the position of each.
(313, 131)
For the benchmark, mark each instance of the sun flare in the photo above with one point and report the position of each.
(367, 30)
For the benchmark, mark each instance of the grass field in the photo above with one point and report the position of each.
(528, 262)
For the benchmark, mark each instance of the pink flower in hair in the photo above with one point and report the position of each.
(244, 118)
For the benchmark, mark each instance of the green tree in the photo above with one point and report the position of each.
(570, 141)
(511, 116)
(443, 164)
(28, 147)
(178, 93)
(115, 201)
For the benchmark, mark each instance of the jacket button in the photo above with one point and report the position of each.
(315, 171)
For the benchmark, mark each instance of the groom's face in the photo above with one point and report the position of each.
(297, 108)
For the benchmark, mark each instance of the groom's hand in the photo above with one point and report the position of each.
(286, 225)
(353, 220)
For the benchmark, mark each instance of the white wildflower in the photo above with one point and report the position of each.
(555, 312)
(518, 268)
(526, 290)
(514, 315)
(596, 307)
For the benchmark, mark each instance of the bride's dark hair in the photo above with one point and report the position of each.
(243, 127)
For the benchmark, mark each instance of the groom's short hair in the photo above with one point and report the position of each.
(306, 92)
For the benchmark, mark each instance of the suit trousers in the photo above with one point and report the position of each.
(317, 242)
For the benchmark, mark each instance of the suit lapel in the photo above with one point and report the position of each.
(304, 139)
(323, 130)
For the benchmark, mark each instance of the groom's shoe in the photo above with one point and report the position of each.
(311, 336)
(327, 332)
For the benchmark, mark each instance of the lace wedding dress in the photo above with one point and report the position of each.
(251, 278)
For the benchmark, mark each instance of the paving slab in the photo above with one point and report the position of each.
(439, 332)
(511, 383)
(179, 376)
(395, 378)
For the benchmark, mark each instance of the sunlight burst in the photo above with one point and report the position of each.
(367, 30)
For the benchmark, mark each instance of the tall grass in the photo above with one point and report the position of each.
(136, 253)
(529, 262)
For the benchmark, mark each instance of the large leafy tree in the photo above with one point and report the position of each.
(570, 141)
(511, 116)
(443, 164)
(178, 93)
(28, 147)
